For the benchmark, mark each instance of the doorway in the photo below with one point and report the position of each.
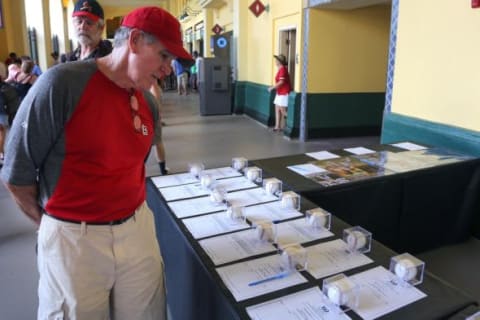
(287, 42)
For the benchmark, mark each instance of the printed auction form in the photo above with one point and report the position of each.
(381, 293)
(196, 190)
(237, 277)
(310, 304)
(213, 224)
(332, 257)
(235, 246)
(197, 206)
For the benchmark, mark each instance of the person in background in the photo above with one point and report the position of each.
(36, 70)
(55, 57)
(8, 106)
(283, 88)
(13, 69)
(194, 72)
(24, 79)
(12, 57)
(156, 91)
(182, 76)
(75, 164)
(88, 22)
(199, 67)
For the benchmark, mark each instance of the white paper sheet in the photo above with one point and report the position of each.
(213, 224)
(322, 155)
(197, 206)
(250, 197)
(237, 277)
(331, 257)
(380, 293)
(310, 304)
(173, 180)
(270, 211)
(196, 190)
(235, 246)
(298, 231)
(306, 169)
(359, 150)
(184, 178)
(408, 146)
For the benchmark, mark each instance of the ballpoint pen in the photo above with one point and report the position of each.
(274, 277)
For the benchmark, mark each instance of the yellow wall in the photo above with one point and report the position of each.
(37, 13)
(57, 26)
(4, 48)
(223, 17)
(348, 50)
(12, 35)
(262, 42)
(437, 67)
(111, 12)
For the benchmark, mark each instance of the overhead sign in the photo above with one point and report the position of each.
(257, 8)
(217, 29)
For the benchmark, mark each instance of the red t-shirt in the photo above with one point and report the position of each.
(282, 74)
(103, 173)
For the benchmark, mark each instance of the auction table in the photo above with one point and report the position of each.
(414, 210)
(196, 291)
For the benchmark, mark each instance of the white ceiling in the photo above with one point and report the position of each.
(347, 4)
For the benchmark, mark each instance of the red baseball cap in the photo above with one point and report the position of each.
(88, 8)
(162, 25)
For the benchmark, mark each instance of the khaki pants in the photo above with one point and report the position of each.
(100, 272)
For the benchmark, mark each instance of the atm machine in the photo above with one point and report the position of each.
(215, 79)
(215, 87)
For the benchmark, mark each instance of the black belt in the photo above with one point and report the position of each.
(108, 223)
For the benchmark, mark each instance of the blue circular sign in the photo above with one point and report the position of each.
(221, 42)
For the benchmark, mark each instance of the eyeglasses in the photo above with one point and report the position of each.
(137, 122)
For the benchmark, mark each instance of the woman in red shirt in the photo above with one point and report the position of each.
(283, 88)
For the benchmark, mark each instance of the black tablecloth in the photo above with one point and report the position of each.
(195, 291)
(413, 211)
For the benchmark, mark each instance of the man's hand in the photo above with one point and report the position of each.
(26, 199)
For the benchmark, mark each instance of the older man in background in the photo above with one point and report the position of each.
(88, 22)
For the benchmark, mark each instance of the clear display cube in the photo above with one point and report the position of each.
(318, 218)
(236, 213)
(358, 240)
(218, 195)
(272, 186)
(265, 231)
(207, 181)
(407, 268)
(293, 257)
(341, 291)
(290, 200)
(239, 163)
(195, 168)
(253, 174)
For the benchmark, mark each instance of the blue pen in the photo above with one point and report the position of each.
(274, 277)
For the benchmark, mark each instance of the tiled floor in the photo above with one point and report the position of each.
(213, 140)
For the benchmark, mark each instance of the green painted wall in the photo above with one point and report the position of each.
(343, 114)
(254, 100)
(398, 127)
(329, 114)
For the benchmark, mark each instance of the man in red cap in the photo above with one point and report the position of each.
(88, 22)
(74, 163)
